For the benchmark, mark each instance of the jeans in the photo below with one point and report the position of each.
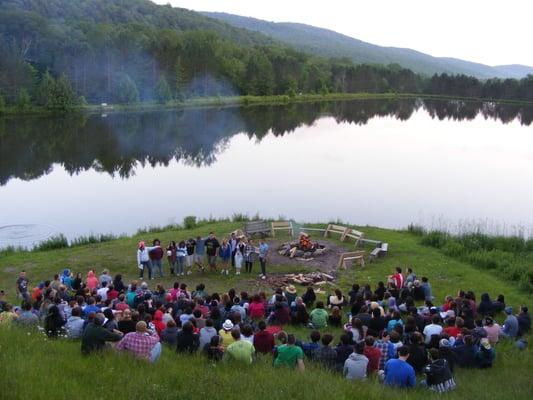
(155, 352)
(159, 265)
(263, 261)
(212, 260)
(233, 258)
(180, 263)
(172, 265)
(147, 265)
(248, 266)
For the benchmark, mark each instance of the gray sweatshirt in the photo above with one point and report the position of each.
(206, 333)
(355, 367)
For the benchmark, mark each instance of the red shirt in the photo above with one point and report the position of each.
(452, 331)
(373, 354)
(264, 342)
(112, 294)
(256, 310)
(398, 280)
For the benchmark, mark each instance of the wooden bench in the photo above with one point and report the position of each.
(357, 256)
(379, 251)
(257, 228)
(281, 226)
(341, 230)
(353, 234)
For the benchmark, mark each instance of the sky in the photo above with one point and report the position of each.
(490, 32)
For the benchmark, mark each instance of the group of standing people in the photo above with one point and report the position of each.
(183, 256)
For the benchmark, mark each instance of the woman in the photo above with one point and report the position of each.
(256, 309)
(249, 251)
(335, 318)
(181, 254)
(309, 297)
(214, 350)
(91, 281)
(300, 316)
(171, 256)
(187, 341)
(336, 300)
(118, 284)
(53, 322)
(76, 283)
(66, 278)
(111, 324)
(224, 252)
(239, 256)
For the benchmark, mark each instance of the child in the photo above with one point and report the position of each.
(224, 252)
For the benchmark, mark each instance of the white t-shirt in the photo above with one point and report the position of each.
(102, 292)
(431, 329)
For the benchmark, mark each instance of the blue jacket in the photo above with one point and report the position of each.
(399, 373)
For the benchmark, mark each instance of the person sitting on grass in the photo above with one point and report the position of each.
(335, 319)
(27, 319)
(169, 335)
(263, 340)
(214, 349)
(439, 376)
(95, 336)
(343, 349)
(225, 333)
(397, 372)
(485, 355)
(325, 355)
(524, 321)
(240, 350)
(142, 343)
(318, 316)
(290, 355)
(388, 351)
(373, 354)
(355, 366)
(309, 348)
(510, 325)
(187, 341)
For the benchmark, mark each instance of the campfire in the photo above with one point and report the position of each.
(311, 279)
(303, 248)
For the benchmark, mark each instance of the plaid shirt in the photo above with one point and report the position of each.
(139, 344)
(387, 352)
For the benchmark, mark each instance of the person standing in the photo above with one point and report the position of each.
(143, 259)
(171, 256)
(156, 255)
(181, 255)
(189, 259)
(233, 247)
(263, 253)
(22, 286)
(199, 253)
(224, 252)
(249, 251)
(212, 244)
(239, 256)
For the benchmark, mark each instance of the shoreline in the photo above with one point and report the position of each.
(244, 101)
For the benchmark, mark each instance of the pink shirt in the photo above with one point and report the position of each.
(493, 333)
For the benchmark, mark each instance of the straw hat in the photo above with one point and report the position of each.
(291, 289)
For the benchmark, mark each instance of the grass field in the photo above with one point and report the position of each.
(35, 368)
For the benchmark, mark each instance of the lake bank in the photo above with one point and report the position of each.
(239, 101)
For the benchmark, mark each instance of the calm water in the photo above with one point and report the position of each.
(385, 163)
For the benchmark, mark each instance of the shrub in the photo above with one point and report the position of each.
(54, 242)
(189, 222)
(415, 229)
(434, 239)
(240, 217)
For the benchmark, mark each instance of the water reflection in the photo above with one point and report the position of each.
(116, 144)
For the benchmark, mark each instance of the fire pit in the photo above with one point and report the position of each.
(302, 249)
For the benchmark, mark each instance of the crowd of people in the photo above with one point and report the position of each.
(183, 256)
(383, 332)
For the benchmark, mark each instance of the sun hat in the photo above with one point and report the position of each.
(444, 343)
(291, 289)
(227, 325)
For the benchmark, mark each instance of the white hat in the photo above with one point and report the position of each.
(227, 325)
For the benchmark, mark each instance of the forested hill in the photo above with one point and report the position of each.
(328, 43)
(59, 53)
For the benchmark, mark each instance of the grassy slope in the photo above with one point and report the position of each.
(194, 377)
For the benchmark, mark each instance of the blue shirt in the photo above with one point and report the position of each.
(200, 247)
(263, 248)
(89, 309)
(399, 373)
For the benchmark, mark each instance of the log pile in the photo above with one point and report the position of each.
(309, 279)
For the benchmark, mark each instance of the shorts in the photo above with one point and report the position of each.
(212, 260)
(189, 259)
(199, 258)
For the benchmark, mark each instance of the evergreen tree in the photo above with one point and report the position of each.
(163, 93)
(45, 90)
(127, 91)
(179, 82)
(63, 97)
(23, 101)
(2, 104)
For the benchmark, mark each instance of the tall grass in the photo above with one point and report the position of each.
(511, 257)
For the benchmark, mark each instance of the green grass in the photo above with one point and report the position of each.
(118, 376)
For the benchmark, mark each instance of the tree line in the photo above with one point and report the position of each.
(58, 61)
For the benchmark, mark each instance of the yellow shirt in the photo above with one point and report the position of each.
(227, 339)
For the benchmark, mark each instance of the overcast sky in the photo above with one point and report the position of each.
(487, 31)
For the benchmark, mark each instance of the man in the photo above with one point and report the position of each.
(212, 245)
(319, 316)
(263, 340)
(143, 259)
(398, 372)
(102, 292)
(189, 258)
(22, 286)
(356, 365)
(373, 354)
(290, 355)
(428, 295)
(263, 252)
(239, 350)
(438, 374)
(225, 333)
(524, 321)
(199, 253)
(432, 329)
(397, 278)
(74, 325)
(142, 343)
(95, 335)
(26, 319)
(156, 256)
(233, 247)
(388, 351)
(510, 325)
(326, 355)
(105, 277)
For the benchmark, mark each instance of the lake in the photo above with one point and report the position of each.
(388, 163)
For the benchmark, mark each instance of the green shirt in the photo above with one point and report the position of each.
(288, 355)
(319, 317)
(241, 350)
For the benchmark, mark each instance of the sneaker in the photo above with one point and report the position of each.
(188, 272)
(182, 274)
(263, 277)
